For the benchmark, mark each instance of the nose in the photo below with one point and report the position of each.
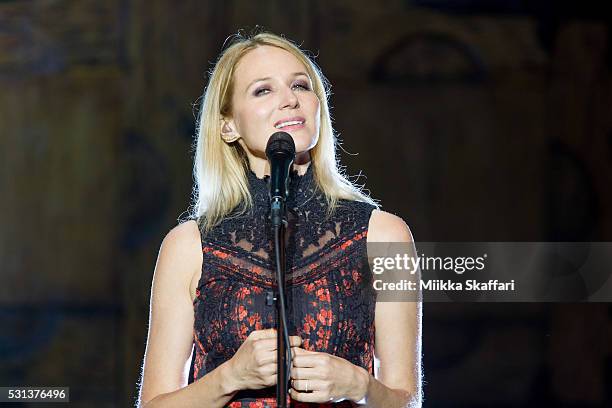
(289, 99)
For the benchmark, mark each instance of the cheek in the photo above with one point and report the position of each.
(315, 107)
(316, 111)
(252, 120)
(253, 125)
(262, 114)
(258, 120)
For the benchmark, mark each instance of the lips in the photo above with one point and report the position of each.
(293, 119)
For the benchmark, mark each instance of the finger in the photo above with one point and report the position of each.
(265, 344)
(294, 352)
(263, 334)
(305, 360)
(313, 385)
(295, 341)
(272, 343)
(301, 373)
(301, 350)
(317, 396)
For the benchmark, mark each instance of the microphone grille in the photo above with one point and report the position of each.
(280, 143)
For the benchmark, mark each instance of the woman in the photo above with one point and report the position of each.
(214, 274)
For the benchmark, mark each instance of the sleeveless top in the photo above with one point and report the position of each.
(329, 295)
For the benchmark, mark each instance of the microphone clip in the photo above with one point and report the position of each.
(278, 214)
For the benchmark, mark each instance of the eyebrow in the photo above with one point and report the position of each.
(266, 78)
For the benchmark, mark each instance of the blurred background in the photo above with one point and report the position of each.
(473, 120)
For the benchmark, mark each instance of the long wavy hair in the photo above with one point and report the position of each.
(220, 168)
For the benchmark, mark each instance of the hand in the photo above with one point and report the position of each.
(328, 378)
(254, 364)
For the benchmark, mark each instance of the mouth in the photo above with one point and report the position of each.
(290, 123)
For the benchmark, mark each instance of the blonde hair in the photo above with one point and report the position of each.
(220, 168)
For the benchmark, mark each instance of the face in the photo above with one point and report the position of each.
(272, 92)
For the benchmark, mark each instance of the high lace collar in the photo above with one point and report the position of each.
(302, 189)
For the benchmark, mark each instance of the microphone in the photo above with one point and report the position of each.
(280, 152)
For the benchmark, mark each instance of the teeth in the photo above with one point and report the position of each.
(291, 122)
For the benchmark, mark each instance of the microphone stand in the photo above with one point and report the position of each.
(279, 223)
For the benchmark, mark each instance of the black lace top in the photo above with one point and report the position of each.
(330, 299)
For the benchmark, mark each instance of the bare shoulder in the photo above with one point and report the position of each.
(184, 234)
(181, 249)
(387, 227)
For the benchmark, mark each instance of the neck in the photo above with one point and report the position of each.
(261, 167)
(302, 189)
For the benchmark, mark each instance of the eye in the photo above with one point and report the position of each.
(261, 91)
(302, 85)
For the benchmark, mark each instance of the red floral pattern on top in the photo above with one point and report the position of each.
(330, 298)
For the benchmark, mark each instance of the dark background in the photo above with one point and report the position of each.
(472, 120)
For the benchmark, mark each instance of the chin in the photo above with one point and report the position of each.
(303, 142)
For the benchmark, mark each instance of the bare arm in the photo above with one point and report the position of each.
(170, 340)
(398, 334)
